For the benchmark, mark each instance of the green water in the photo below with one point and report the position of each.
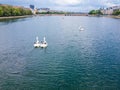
(73, 60)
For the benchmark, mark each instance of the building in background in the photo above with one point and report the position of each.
(109, 10)
(32, 7)
(43, 9)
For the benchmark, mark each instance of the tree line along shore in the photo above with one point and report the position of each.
(8, 10)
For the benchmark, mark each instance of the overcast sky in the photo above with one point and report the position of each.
(67, 5)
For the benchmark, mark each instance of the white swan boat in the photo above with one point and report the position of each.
(41, 44)
(37, 43)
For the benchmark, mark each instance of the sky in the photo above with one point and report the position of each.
(65, 5)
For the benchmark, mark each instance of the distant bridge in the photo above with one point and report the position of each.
(74, 14)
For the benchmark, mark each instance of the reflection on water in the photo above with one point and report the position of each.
(73, 60)
(12, 20)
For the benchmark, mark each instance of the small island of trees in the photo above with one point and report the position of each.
(7, 10)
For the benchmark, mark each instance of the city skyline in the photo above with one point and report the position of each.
(65, 5)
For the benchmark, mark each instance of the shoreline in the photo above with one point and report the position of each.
(25, 16)
(112, 16)
(15, 17)
(109, 16)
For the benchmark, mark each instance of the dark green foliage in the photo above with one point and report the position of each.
(6, 10)
(95, 12)
(116, 12)
(92, 12)
(1, 11)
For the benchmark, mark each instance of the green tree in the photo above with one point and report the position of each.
(7, 10)
(99, 12)
(116, 12)
(1, 11)
(95, 12)
(92, 12)
(16, 12)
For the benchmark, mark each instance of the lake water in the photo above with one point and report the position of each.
(73, 60)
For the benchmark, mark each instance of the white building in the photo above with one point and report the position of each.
(109, 11)
(43, 9)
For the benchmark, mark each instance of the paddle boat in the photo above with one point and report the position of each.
(37, 43)
(43, 43)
